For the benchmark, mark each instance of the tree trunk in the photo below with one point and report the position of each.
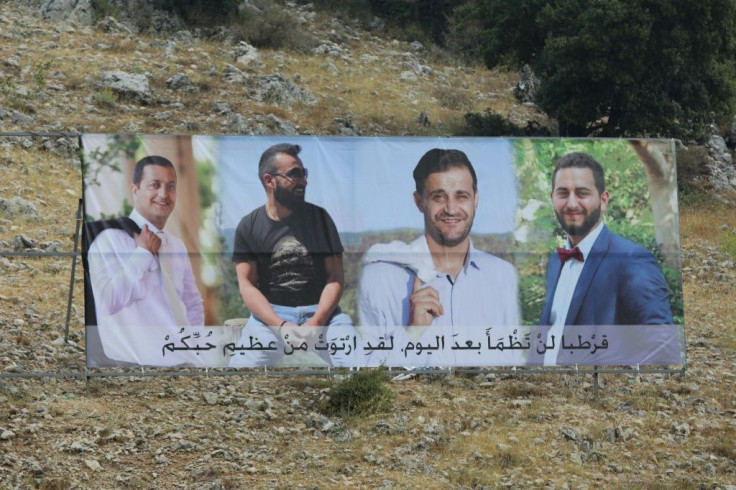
(658, 160)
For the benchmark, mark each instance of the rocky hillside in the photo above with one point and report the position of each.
(68, 75)
(62, 73)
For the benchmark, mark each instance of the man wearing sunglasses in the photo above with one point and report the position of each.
(287, 253)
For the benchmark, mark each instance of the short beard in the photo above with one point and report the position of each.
(287, 198)
(445, 241)
(582, 229)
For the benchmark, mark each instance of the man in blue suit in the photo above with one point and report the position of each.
(599, 278)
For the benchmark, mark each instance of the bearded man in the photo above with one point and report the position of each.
(440, 278)
(287, 253)
(598, 278)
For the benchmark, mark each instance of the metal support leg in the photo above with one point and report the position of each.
(74, 268)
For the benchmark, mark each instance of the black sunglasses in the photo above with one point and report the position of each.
(293, 174)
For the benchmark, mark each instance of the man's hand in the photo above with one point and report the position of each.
(424, 304)
(314, 322)
(148, 240)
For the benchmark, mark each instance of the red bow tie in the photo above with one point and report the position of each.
(565, 254)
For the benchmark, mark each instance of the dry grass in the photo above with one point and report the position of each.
(712, 296)
(707, 219)
(370, 92)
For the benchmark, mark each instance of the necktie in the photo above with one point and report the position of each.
(565, 254)
(178, 311)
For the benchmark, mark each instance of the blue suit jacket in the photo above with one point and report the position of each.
(621, 284)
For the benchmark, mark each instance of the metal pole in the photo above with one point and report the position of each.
(74, 267)
(595, 384)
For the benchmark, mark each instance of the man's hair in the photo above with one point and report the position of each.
(582, 160)
(149, 160)
(266, 164)
(437, 160)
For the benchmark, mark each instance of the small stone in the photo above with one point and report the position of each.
(682, 430)
(210, 398)
(569, 433)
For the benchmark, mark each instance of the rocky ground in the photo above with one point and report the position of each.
(258, 430)
(266, 430)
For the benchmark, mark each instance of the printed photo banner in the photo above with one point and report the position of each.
(176, 251)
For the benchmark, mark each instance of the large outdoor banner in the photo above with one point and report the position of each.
(301, 251)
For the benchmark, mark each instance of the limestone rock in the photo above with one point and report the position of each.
(128, 85)
(79, 11)
(526, 86)
(278, 90)
(17, 207)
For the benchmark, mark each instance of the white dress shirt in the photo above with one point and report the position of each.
(566, 284)
(130, 298)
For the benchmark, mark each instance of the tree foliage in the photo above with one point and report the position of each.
(416, 17)
(617, 67)
(197, 12)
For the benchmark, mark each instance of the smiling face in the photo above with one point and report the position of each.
(288, 189)
(578, 204)
(155, 195)
(448, 203)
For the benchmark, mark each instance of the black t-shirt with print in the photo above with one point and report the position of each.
(289, 254)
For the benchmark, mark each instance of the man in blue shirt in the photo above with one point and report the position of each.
(440, 278)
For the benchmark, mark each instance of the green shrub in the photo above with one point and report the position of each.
(363, 392)
(421, 20)
(728, 243)
(490, 124)
(201, 12)
(39, 73)
(105, 98)
(103, 8)
(271, 26)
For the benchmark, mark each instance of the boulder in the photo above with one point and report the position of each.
(16, 207)
(347, 127)
(129, 86)
(246, 55)
(181, 82)
(719, 163)
(278, 90)
(112, 26)
(233, 74)
(526, 86)
(80, 11)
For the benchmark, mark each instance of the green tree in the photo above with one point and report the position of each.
(617, 67)
(198, 12)
(423, 17)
